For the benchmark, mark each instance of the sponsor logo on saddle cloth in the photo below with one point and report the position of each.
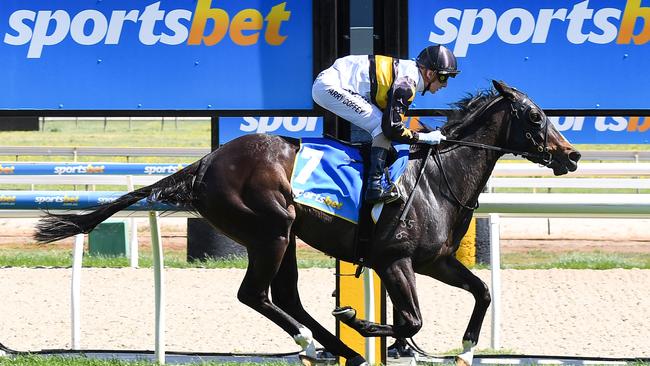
(328, 176)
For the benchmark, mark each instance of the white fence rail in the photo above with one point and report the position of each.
(584, 170)
(129, 152)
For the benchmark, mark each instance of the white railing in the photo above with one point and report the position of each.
(75, 152)
(584, 170)
(128, 152)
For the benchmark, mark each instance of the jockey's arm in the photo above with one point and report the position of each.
(399, 99)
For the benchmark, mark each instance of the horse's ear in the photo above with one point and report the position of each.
(504, 90)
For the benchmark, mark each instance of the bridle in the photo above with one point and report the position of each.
(517, 108)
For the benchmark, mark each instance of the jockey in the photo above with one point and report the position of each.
(374, 92)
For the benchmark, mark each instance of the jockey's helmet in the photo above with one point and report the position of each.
(438, 58)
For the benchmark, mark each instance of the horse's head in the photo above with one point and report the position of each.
(531, 132)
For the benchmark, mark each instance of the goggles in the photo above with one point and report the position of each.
(442, 78)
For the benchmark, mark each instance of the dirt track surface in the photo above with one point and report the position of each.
(553, 312)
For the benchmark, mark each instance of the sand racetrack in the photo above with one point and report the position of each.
(553, 312)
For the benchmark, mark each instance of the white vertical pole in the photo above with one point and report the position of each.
(133, 248)
(369, 290)
(75, 291)
(156, 245)
(495, 265)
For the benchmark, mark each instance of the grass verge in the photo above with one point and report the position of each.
(57, 257)
(35, 360)
(538, 259)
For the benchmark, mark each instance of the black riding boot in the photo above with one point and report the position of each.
(375, 193)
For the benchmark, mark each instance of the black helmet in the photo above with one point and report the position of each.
(438, 58)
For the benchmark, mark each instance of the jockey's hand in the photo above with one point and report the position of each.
(431, 138)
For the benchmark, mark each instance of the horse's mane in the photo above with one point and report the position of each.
(464, 111)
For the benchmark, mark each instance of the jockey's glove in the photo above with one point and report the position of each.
(431, 138)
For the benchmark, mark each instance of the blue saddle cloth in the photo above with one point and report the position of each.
(328, 176)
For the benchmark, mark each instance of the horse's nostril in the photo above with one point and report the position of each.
(574, 156)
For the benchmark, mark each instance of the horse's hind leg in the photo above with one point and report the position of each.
(450, 271)
(263, 264)
(284, 291)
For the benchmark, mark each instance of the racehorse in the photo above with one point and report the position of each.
(243, 189)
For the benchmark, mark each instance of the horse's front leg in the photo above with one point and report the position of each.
(450, 271)
(399, 279)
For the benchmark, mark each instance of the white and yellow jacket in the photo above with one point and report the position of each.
(389, 83)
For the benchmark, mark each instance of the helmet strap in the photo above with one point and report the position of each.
(429, 83)
(427, 87)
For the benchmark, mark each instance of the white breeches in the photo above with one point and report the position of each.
(328, 92)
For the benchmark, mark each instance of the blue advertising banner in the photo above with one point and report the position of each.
(604, 130)
(156, 55)
(60, 200)
(576, 54)
(582, 130)
(233, 127)
(88, 169)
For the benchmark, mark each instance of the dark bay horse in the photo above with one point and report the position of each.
(244, 190)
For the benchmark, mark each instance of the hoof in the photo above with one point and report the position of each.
(344, 314)
(307, 361)
(462, 362)
(322, 359)
(356, 361)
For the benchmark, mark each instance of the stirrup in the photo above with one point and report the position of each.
(385, 196)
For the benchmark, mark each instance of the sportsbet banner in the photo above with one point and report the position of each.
(168, 54)
(564, 54)
(297, 127)
(586, 130)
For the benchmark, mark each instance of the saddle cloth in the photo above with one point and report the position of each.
(328, 175)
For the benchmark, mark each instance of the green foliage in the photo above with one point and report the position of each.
(194, 133)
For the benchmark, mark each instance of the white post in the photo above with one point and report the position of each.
(156, 245)
(369, 290)
(495, 265)
(133, 248)
(75, 291)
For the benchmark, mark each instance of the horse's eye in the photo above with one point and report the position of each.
(535, 116)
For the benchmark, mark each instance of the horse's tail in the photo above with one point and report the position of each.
(176, 189)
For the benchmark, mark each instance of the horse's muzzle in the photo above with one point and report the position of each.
(567, 162)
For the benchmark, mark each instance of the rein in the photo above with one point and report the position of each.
(524, 154)
(409, 202)
(438, 161)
